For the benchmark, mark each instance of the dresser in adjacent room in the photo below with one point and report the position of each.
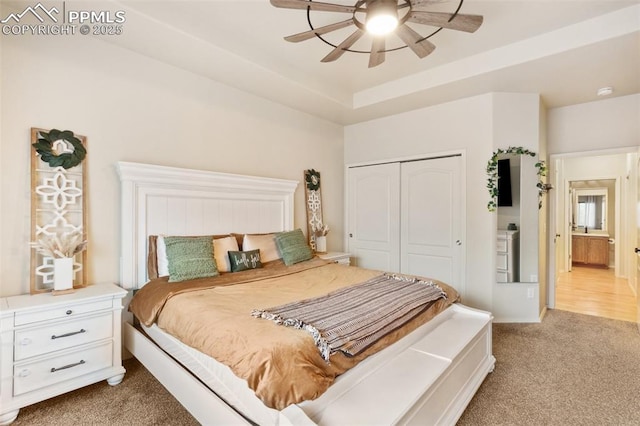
(507, 256)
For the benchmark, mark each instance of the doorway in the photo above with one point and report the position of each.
(609, 290)
(596, 291)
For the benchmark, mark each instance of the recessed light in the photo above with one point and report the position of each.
(605, 91)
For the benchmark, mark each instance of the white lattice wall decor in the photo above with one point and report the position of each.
(58, 207)
(314, 205)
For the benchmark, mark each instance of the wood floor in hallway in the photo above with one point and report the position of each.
(595, 291)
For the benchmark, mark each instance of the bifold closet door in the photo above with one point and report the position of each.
(374, 216)
(431, 217)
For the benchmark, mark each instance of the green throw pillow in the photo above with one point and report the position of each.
(243, 260)
(190, 258)
(293, 247)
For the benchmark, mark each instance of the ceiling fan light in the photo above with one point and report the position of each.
(382, 24)
(382, 17)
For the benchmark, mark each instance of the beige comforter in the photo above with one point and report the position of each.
(281, 364)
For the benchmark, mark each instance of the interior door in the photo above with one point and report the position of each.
(430, 230)
(374, 216)
(569, 230)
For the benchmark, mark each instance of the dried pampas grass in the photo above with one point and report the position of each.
(67, 245)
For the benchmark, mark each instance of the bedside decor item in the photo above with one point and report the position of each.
(313, 204)
(62, 275)
(58, 205)
(320, 233)
(492, 172)
(321, 244)
(61, 249)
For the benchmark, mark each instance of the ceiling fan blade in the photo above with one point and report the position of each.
(412, 40)
(461, 22)
(320, 30)
(313, 5)
(418, 3)
(340, 49)
(377, 52)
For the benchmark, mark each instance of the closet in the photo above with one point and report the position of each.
(407, 217)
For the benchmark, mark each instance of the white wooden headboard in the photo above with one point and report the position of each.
(174, 201)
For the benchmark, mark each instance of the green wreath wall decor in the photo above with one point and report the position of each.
(492, 172)
(67, 160)
(312, 179)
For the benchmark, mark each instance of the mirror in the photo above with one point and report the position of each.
(517, 170)
(517, 255)
(589, 210)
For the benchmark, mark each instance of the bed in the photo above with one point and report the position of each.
(427, 376)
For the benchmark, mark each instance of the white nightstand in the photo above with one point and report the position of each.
(336, 256)
(56, 344)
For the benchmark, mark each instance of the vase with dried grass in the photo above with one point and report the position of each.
(62, 249)
(320, 234)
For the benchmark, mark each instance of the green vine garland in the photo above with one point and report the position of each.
(67, 160)
(492, 172)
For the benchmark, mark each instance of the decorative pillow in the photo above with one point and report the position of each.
(293, 247)
(163, 262)
(243, 260)
(190, 258)
(157, 263)
(265, 243)
(221, 248)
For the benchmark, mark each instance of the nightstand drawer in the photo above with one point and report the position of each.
(53, 337)
(36, 375)
(62, 311)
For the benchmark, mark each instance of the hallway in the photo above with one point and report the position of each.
(597, 292)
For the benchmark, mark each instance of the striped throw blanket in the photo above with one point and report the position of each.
(351, 319)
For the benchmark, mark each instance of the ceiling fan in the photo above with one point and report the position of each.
(380, 18)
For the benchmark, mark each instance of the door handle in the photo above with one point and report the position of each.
(637, 250)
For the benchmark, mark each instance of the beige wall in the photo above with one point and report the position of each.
(605, 124)
(133, 108)
(475, 126)
(592, 141)
(464, 125)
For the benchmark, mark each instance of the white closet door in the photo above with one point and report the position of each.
(431, 214)
(374, 216)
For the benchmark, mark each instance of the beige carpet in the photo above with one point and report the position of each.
(139, 400)
(570, 370)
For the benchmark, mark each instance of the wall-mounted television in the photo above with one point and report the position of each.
(504, 183)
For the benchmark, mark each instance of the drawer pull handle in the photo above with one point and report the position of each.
(25, 341)
(24, 373)
(82, 330)
(53, 370)
(69, 312)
